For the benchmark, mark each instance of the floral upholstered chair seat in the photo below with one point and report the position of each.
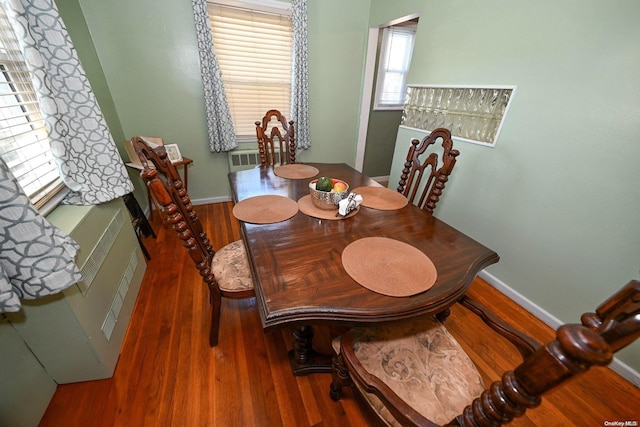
(422, 363)
(230, 266)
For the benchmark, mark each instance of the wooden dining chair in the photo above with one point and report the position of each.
(425, 173)
(275, 133)
(415, 373)
(226, 271)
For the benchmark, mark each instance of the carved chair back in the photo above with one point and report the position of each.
(164, 183)
(274, 132)
(425, 173)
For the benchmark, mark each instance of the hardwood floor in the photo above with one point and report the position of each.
(167, 374)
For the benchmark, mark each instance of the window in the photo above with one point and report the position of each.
(395, 59)
(254, 52)
(24, 145)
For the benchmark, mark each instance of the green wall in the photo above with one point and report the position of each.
(558, 197)
(337, 45)
(381, 140)
(79, 32)
(148, 52)
(27, 387)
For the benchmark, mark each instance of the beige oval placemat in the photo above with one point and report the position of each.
(265, 209)
(296, 171)
(388, 266)
(307, 207)
(381, 198)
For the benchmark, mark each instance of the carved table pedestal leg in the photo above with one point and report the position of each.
(303, 358)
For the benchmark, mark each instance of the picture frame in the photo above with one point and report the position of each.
(173, 153)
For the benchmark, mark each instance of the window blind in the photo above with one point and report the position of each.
(24, 145)
(254, 52)
(395, 59)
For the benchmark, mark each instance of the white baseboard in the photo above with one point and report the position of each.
(616, 365)
(199, 202)
(380, 178)
(211, 200)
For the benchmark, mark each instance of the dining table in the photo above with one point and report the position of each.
(297, 263)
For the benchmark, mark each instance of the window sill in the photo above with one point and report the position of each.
(67, 217)
(388, 108)
(53, 203)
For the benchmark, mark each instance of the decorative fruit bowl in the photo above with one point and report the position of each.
(328, 200)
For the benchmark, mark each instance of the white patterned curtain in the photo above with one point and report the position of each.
(222, 136)
(84, 150)
(36, 258)
(300, 74)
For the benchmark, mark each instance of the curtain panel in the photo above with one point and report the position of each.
(84, 150)
(222, 136)
(36, 258)
(300, 74)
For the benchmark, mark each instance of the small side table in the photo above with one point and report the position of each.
(140, 223)
(185, 173)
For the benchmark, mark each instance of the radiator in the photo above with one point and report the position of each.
(77, 335)
(244, 159)
(100, 251)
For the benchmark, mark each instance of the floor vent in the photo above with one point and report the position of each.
(118, 300)
(99, 253)
(244, 159)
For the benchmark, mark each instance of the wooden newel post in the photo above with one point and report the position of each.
(575, 349)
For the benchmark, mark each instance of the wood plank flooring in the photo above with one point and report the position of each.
(167, 375)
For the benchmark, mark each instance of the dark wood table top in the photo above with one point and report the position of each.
(297, 267)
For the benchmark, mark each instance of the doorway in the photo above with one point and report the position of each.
(378, 126)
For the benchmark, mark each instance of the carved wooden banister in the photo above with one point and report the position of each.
(617, 319)
(574, 351)
(615, 324)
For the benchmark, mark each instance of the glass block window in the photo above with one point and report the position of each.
(473, 114)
